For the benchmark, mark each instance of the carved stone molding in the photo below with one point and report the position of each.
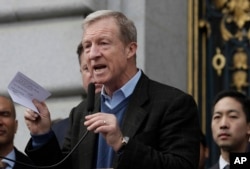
(13, 12)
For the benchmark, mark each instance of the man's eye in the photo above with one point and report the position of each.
(216, 117)
(104, 43)
(5, 113)
(86, 46)
(85, 68)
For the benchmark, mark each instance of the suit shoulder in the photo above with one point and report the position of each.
(152, 90)
(20, 156)
(152, 84)
(215, 166)
(165, 89)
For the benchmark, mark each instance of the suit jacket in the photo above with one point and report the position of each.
(60, 129)
(161, 121)
(215, 166)
(22, 158)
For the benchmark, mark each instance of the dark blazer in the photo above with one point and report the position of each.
(22, 158)
(161, 121)
(60, 129)
(215, 166)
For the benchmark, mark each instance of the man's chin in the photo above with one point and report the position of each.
(226, 147)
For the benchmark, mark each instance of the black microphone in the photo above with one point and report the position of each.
(91, 97)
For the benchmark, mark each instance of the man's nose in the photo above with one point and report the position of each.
(224, 123)
(94, 51)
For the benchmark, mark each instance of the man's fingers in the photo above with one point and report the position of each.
(30, 115)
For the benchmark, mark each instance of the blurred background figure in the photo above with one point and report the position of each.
(8, 129)
(60, 126)
(230, 125)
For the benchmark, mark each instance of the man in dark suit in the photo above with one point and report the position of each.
(61, 126)
(8, 128)
(230, 125)
(136, 122)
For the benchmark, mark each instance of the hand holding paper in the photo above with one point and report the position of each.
(23, 90)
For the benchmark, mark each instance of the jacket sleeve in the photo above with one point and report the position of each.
(47, 155)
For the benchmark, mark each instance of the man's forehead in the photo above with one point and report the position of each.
(5, 107)
(100, 26)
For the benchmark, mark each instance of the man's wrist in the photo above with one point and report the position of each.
(39, 140)
(124, 142)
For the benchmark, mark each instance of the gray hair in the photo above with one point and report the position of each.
(128, 31)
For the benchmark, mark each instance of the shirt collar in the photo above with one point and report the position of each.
(129, 87)
(11, 155)
(122, 93)
(222, 162)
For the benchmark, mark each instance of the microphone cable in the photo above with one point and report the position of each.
(53, 165)
(90, 108)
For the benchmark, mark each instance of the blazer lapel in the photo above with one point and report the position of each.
(88, 144)
(135, 114)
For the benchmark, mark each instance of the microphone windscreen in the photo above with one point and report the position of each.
(91, 97)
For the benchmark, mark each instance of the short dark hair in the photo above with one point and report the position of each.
(79, 51)
(240, 97)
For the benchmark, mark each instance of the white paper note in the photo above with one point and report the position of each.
(23, 90)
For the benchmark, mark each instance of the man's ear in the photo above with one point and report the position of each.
(16, 122)
(131, 49)
(206, 149)
(248, 131)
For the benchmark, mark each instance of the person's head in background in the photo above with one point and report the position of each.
(8, 125)
(86, 75)
(204, 151)
(231, 122)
